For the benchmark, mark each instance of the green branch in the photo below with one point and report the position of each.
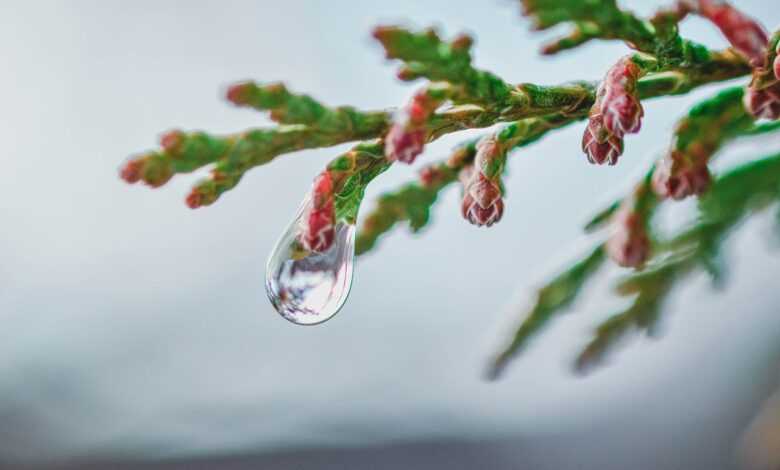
(481, 99)
(555, 296)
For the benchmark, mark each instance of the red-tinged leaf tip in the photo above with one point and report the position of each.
(131, 171)
(171, 141)
(194, 199)
(239, 93)
(462, 42)
(383, 33)
(548, 49)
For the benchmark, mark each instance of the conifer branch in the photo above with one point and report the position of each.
(696, 248)
(707, 128)
(480, 100)
(549, 300)
(457, 95)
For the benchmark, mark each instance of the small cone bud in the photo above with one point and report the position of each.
(744, 33)
(318, 229)
(764, 103)
(599, 145)
(482, 195)
(404, 145)
(616, 112)
(406, 138)
(482, 203)
(678, 176)
(628, 245)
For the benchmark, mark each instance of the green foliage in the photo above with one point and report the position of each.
(591, 19)
(552, 298)
(425, 55)
(696, 248)
(290, 108)
(459, 96)
(482, 99)
(412, 203)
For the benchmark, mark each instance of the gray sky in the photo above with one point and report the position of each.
(132, 322)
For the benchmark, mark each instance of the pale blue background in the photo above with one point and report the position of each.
(131, 324)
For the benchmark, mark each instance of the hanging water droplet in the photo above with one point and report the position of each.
(308, 288)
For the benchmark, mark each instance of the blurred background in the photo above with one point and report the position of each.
(136, 333)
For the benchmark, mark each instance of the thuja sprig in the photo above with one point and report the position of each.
(600, 19)
(306, 123)
(411, 203)
(456, 95)
(426, 55)
(520, 133)
(629, 241)
(684, 171)
(695, 249)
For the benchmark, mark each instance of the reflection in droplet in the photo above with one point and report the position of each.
(307, 288)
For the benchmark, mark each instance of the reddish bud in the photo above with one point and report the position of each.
(406, 137)
(628, 245)
(482, 203)
(776, 64)
(616, 112)
(765, 102)
(600, 145)
(617, 102)
(318, 224)
(623, 115)
(678, 176)
(320, 231)
(132, 170)
(322, 190)
(403, 144)
(743, 32)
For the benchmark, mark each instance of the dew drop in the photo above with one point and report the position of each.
(308, 288)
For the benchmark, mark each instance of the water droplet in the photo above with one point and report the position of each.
(308, 288)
